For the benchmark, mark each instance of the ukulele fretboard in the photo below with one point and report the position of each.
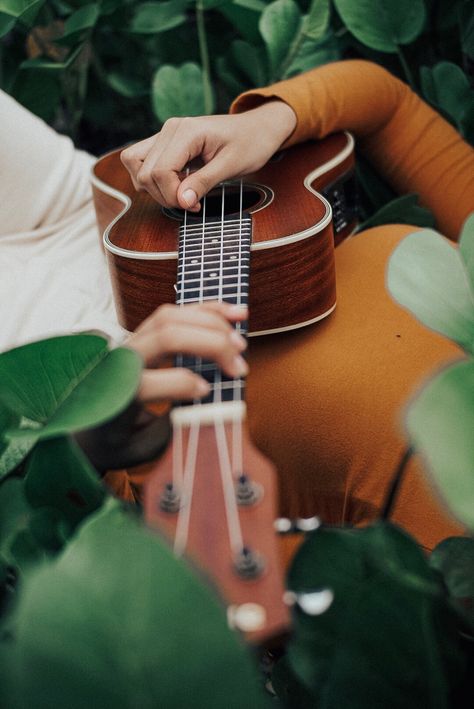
(213, 264)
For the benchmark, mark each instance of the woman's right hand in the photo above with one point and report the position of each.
(228, 145)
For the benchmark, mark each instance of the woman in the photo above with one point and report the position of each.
(336, 390)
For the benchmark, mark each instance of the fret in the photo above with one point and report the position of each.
(195, 283)
(191, 250)
(211, 293)
(210, 263)
(237, 299)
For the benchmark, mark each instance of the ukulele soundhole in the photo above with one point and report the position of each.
(228, 198)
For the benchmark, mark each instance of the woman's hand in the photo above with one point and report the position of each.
(229, 146)
(200, 330)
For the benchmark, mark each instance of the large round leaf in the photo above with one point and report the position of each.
(66, 384)
(441, 424)
(427, 275)
(383, 24)
(178, 91)
(387, 638)
(117, 621)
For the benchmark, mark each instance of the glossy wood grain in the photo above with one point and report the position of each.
(291, 282)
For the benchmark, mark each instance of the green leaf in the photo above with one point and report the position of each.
(440, 422)
(448, 88)
(387, 639)
(178, 91)
(156, 17)
(244, 15)
(39, 91)
(402, 210)
(13, 10)
(47, 65)
(11, 452)
(7, 22)
(250, 61)
(117, 621)
(79, 24)
(15, 514)
(316, 21)
(427, 275)
(279, 23)
(466, 247)
(466, 26)
(126, 85)
(383, 24)
(454, 559)
(66, 384)
(59, 476)
(310, 54)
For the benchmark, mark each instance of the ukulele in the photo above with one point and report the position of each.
(299, 205)
(213, 493)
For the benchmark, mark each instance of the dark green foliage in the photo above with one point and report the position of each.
(386, 636)
(117, 621)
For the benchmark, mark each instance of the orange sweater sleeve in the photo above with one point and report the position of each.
(408, 142)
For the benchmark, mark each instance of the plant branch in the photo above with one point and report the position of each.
(395, 484)
(406, 69)
(204, 55)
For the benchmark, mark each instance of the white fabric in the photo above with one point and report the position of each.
(53, 274)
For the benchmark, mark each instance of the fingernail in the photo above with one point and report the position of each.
(240, 366)
(237, 310)
(189, 197)
(238, 340)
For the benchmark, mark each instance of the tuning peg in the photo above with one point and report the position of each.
(170, 499)
(247, 492)
(249, 564)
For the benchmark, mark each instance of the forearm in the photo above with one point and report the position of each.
(409, 143)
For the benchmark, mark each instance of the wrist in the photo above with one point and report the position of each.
(280, 118)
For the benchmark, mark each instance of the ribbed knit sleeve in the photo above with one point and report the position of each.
(408, 142)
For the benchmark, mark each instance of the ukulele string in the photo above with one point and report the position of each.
(184, 514)
(237, 457)
(227, 475)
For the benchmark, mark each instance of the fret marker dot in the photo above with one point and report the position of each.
(232, 258)
(213, 274)
(214, 241)
(194, 260)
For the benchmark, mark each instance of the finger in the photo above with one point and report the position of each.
(212, 315)
(133, 157)
(174, 384)
(222, 348)
(192, 189)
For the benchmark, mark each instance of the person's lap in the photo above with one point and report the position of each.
(326, 402)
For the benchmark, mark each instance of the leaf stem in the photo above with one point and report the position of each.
(204, 55)
(292, 53)
(406, 69)
(395, 484)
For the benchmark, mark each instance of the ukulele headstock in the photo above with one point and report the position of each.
(213, 495)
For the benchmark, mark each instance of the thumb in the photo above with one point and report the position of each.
(199, 183)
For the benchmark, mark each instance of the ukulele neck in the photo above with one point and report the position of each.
(213, 264)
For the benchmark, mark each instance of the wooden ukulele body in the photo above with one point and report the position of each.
(292, 273)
